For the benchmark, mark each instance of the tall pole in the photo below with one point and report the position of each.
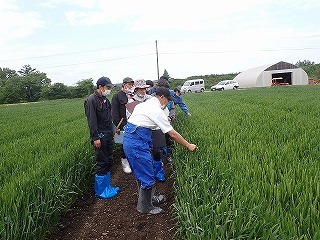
(157, 58)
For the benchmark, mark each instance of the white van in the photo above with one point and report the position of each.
(195, 85)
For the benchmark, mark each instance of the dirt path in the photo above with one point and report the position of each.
(117, 218)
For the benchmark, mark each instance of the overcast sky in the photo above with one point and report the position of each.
(72, 40)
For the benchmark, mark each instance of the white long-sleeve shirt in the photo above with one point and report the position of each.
(149, 114)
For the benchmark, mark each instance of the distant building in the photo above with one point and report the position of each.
(281, 73)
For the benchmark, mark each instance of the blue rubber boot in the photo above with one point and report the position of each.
(158, 171)
(164, 150)
(108, 178)
(102, 186)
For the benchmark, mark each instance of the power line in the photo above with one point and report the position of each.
(218, 40)
(134, 44)
(163, 53)
(104, 60)
(178, 53)
(238, 51)
(72, 53)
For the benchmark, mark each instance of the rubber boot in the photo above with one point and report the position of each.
(144, 202)
(102, 187)
(108, 180)
(164, 150)
(156, 199)
(125, 165)
(158, 170)
(138, 185)
(169, 154)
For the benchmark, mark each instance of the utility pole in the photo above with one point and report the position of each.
(157, 58)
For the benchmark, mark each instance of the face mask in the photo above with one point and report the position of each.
(163, 106)
(129, 90)
(140, 95)
(106, 92)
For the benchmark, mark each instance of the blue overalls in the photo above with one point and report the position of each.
(137, 145)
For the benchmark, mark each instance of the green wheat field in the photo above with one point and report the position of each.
(255, 175)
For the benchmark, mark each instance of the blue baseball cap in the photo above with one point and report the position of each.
(104, 81)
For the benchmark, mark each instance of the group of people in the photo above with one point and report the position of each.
(145, 113)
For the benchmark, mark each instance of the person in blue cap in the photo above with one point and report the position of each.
(98, 113)
(137, 145)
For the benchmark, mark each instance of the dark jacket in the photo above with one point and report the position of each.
(118, 108)
(98, 112)
(152, 91)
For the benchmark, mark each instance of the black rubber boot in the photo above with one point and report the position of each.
(144, 202)
(138, 185)
(157, 199)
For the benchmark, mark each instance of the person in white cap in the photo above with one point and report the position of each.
(140, 93)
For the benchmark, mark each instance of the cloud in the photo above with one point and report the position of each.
(87, 4)
(8, 5)
(194, 38)
(16, 23)
(102, 12)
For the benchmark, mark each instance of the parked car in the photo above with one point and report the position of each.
(195, 85)
(225, 85)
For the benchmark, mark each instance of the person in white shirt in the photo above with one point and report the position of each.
(137, 144)
(140, 95)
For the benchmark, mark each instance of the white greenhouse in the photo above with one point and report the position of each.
(281, 73)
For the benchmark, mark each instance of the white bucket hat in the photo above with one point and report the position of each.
(140, 83)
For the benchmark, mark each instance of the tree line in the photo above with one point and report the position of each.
(311, 68)
(30, 85)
